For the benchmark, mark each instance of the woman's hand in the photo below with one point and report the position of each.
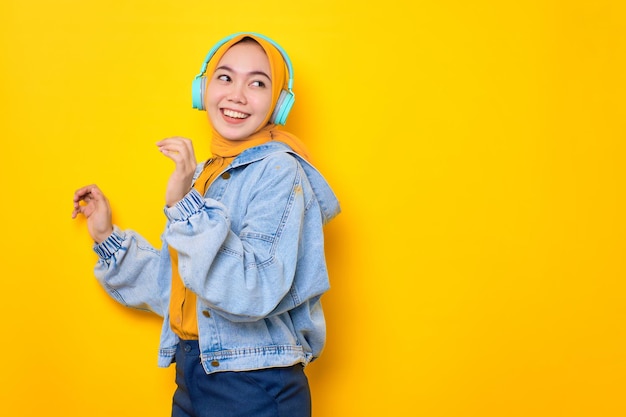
(179, 150)
(90, 202)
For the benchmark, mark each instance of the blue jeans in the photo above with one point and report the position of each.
(273, 392)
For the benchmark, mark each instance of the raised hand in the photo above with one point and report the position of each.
(179, 150)
(91, 202)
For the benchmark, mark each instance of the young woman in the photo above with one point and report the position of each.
(239, 277)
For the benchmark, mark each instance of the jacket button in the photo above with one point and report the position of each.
(215, 363)
(206, 313)
(226, 175)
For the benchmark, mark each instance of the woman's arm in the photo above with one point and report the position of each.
(129, 268)
(246, 275)
(133, 272)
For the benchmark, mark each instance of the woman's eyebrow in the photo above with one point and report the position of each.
(229, 69)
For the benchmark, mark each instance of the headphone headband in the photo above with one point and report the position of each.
(285, 99)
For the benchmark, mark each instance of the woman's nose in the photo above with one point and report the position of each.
(237, 93)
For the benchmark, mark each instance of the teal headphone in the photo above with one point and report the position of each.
(285, 99)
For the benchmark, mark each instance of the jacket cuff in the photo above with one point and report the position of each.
(111, 244)
(191, 204)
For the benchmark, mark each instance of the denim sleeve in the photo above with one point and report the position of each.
(132, 271)
(242, 276)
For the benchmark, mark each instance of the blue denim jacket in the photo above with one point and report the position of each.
(251, 249)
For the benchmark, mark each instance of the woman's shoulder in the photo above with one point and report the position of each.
(279, 158)
(285, 157)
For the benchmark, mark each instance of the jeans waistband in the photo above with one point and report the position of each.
(189, 347)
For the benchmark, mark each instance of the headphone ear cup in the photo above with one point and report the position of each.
(197, 92)
(284, 104)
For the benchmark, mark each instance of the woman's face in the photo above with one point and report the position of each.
(239, 94)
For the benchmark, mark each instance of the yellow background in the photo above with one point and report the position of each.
(478, 151)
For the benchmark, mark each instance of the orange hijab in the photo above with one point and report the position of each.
(221, 147)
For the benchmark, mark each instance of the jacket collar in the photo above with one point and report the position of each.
(326, 198)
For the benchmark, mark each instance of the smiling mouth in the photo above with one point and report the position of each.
(235, 114)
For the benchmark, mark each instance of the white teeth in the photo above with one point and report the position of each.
(235, 114)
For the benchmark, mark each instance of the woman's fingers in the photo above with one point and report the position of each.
(177, 148)
(91, 196)
(180, 150)
(82, 194)
(93, 204)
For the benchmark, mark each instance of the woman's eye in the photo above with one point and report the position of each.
(223, 77)
(258, 84)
